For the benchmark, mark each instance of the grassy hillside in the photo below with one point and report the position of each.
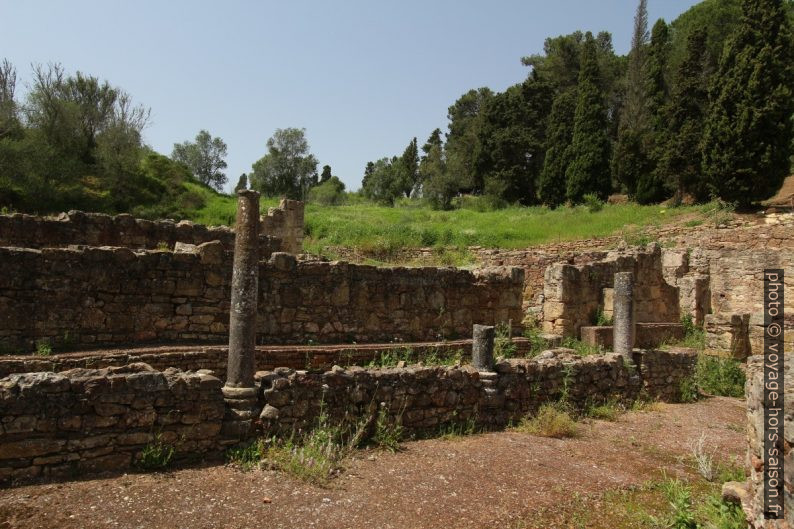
(381, 231)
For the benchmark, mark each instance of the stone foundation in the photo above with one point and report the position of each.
(647, 335)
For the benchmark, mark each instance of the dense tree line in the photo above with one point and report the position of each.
(700, 108)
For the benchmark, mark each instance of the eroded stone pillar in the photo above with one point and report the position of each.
(239, 391)
(623, 314)
(482, 347)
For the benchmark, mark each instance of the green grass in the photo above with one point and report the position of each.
(156, 455)
(720, 376)
(380, 232)
(433, 357)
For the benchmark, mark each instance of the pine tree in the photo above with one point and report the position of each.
(590, 148)
(551, 187)
(680, 164)
(650, 185)
(631, 158)
(748, 133)
(410, 168)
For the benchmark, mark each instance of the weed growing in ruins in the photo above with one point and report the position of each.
(387, 433)
(607, 411)
(163, 246)
(694, 335)
(687, 512)
(457, 429)
(552, 420)
(602, 319)
(679, 494)
(43, 347)
(317, 455)
(247, 456)
(720, 376)
(581, 348)
(688, 390)
(537, 343)
(704, 461)
(503, 342)
(435, 357)
(156, 455)
(719, 211)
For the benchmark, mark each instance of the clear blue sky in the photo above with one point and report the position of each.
(363, 77)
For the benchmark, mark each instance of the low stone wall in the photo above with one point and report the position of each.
(753, 504)
(194, 358)
(77, 228)
(574, 293)
(98, 296)
(57, 425)
(646, 336)
(423, 398)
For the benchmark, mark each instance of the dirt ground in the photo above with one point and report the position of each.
(504, 479)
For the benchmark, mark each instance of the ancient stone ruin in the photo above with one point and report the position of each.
(149, 308)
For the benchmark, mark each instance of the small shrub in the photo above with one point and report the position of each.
(163, 246)
(602, 319)
(719, 376)
(593, 203)
(387, 434)
(607, 411)
(552, 420)
(694, 335)
(688, 390)
(456, 429)
(719, 514)
(43, 347)
(247, 456)
(156, 455)
(704, 461)
(679, 495)
(581, 348)
(503, 343)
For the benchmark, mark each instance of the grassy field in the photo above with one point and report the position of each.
(381, 231)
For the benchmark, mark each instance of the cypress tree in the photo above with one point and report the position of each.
(588, 171)
(680, 164)
(748, 132)
(552, 187)
(630, 159)
(650, 185)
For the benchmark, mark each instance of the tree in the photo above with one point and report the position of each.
(204, 157)
(631, 158)
(588, 172)
(242, 183)
(439, 187)
(512, 141)
(328, 193)
(748, 131)
(9, 119)
(326, 174)
(552, 184)
(465, 122)
(680, 164)
(650, 183)
(409, 169)
(288, 168)
(380, 182)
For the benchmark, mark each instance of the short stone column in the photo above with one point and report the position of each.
(623, 315)
(239, 392)
(482, 347)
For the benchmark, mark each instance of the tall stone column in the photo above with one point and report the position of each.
(482, 347)
(239, 391)
(623, 315)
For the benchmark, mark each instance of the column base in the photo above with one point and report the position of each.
(241, 404)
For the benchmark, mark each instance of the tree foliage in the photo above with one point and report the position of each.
(465, 123)
(748, 132)
(288, 168)
(552, 185)
(588, 172)
(204, 157)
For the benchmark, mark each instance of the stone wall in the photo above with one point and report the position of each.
(286, 223)
(99, 296)
(194, 358)
(58, 425)
(574, 293)
(339, 302)
(281, 229)
(423, 398)
(753, 504)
